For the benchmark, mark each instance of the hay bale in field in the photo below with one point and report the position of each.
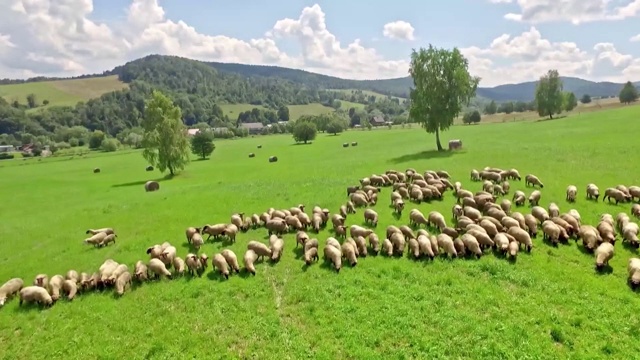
(96, 170)
(455, 144)
(252, 155)
(151, 186)
(355, 143)
(149, 168)
(259, 146)
(273, 159)
(345, 145)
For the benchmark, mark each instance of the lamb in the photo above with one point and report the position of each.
(604, 253)
(259, 248)
(10, 289)
(471, 243)
(572, 191)
(618, 195)
(249, 260)
(231, 259)
(333, 254)
(214, 230)
(70, 288)
(277, 246)
(111, 238)
(522, 237)
(96, 239)
(532, 180)
(140, 271)
(551, 231)
(158, 268)
(35, 294)
(446, 243)
(123, 282)
(633, 269)
(437, 219)
(355, 230)
(593, 192)
(190, 232)
(221, 265)
(534, 198)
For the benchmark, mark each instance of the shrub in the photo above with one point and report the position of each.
(5, 156)
(110, 145)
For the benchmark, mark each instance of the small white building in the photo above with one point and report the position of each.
(6, 148)
(192, 132)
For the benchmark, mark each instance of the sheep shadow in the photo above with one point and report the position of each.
(142, 182)
(605, 270)
(245, 274)
(629, 246)
(302, 143)
(26, 307)
(423, 155)
(216, 275)
(298, 252)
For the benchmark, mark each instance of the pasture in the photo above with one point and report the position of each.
(550, 303)
(62, 92)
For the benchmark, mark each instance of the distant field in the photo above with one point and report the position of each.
(296, 111)
(62, 92)
(346, 105)
(232, 110)
(365, 92)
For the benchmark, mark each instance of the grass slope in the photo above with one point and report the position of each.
(548, 304)
(62, 92)
(366, 93)
(296, 111)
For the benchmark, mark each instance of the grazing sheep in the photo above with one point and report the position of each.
(55, 285)
(122, 283)
(96, 239)
(359, 199)
(398, 242)
(519, 198)
(606, 231)
(534, 198)
(540, 213)
(398, 206)
(446, 243)
(635, 210)
(193, 264)
(70, 288)
(634, 192)
(514, 247)
(72, 275)
(374, 242)
(35, 294)
(532, 180)
(41, 280)
(475, 175)
(414, 248)
(349, 253)
(568, 228)
(277, 246)
(633, 270)
(436, 219)
(483, 238)
(575, 214)
(259, 248)
(531, 222)
(157, 267)
(111, 238)
(214, 230)
(551, 232)
(230, 231)
(168, 255)
(618, 195)
(407, 232)
(151, 186)
(277, 226)
(361, 246)
(231, 259)
(424, 246)
(508, 222)
(355, 230)
(572, 191)
(593, 192)
(604, 253)
(554, 210)
(107, 230)
(522, 237)
(140, 271)
(179, 266)
(221, 265)
(120, 269)
(590, 237)
(501, 241)
(471, 244)
(249, 260)
(334, 255)
(10, 289)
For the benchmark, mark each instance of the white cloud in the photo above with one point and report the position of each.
(500, 1)
(57, 38)
(574, 11)
(525, 57)
(635, 38)
(400, 30)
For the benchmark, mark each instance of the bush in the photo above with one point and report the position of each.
(96, 139)
(110, 145)
(6, 156)
(73, 142)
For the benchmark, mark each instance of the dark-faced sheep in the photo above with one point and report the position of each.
(151, 186)
(633, 270)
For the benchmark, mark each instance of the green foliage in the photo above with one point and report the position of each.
(304, 131)
(628, 94)
(472, 117)
(283, 113)
(96, 138)
(442, 86)
(549, 95)
(506, 108)
(202, 143)
(110, 145)
(165, 139)
(335, 126)
(45, 102)
(585, 99)
(6, 156)
(570, 101)
(32, 102)
(491, 108)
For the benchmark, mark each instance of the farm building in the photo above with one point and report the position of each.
(253, 128)
(6, 148)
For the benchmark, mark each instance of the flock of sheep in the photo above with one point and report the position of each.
(479, 223)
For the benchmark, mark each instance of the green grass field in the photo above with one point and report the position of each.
(296, 111)
(62, 92)
(365, 92)
(549, 304)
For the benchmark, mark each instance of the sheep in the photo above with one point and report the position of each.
(359, 200)
(220, 263)
(55, 285)
(572, 191)
(508, 222)
(493, 176)
(398, 206)
(407, 232)
(518, 198)
(120, 269)
(568, 228)
(106, 230)
(446, 243)
(231, 231)
(352, 189)
(361, 245)
(625, 191)
(293, 222)
(532, 224)
(634, 192)
(10, 289)
(416, 218)
(276, 246)
(505, 205)
(179, 266)
(337, 220)
(590, 237)
(554, 210)
(475, 175)
(259, 248)
(111, 238)
(501, 241)
(532, 180)
(633, 270)
(414, 248)
(603, 253)
(333, 242)
(522, 237)
(213, 230)
(349, 253)
(123, 282)
(635, 210)
(593, 192)
(351, 241)
(343, 211)
(415, 194)
(483, 238)
(301, 238)
(575, 214)
(551, 232)
(540, 213)
(72, 275)
(437, 219)
(277, 226)
(190, 232)
(606, 231)
(512, 251)
(472, 213)
(618, 195)
(387, 247)
(534, 198)
(489, 227)
(456, 211)
(231, 259)
(106, 269)
(168, 255)
(249, 260)
(398, 242)
(96, 239)
(621, 220)
(356, 230)
(157, 267)
(35, 294)
(151, 186)
(70, 288)
(451, 232)
(471, 243)
(140, 271)
(334, 255)
(424, 246)
(374, 242)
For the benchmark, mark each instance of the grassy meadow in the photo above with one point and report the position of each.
(62, 92)
(549, 304)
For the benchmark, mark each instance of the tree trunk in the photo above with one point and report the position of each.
(550, 116)
(305, 141)
(170, 169)
(438, 140)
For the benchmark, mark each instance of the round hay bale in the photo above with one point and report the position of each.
(151, 186)
(149, 168)
(345, 145)
(355, 143)
(96, 170)
(252, 155)
(273, 159)
(259, 146)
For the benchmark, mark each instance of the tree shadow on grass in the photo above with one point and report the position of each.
(142, 182)
(201, 159)
(302, 143)
(428, 154)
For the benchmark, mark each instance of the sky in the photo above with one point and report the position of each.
(505, 41)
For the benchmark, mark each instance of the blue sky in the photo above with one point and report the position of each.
(191, 28)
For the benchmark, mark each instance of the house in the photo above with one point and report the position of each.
(6, 148)
(377, 121)
(192, 132)
(253, 128)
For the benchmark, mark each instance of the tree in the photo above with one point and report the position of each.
(442, 85)
(96, 138)
(304, 131)
(165, 139)
(202, 143)
(628, 94)
(472, 117)
(491, 108)
(549, 96)
(335, 126)
(570, 101)
(110, 145)
(585, 99)
(31, 101)
(283, 113)
(45, 102)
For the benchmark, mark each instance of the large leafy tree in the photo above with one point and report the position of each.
(304, 131)
(442, 86)
(549, 96)
(165, 139)
(202, 143)
(628, 94)
(570, 101)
